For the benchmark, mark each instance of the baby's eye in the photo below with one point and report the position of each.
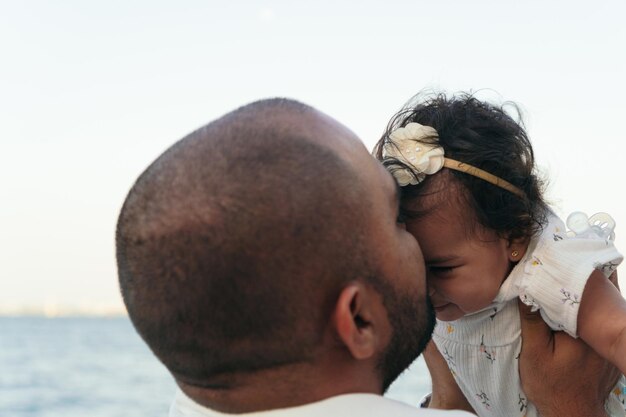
(441, 270)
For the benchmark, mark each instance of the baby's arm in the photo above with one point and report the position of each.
(602, 319)
(446, 393)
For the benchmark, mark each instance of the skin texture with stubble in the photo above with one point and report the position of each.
(402, 285)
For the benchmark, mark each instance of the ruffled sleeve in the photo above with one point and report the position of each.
(552, 276)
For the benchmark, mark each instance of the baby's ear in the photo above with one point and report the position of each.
(517, 248)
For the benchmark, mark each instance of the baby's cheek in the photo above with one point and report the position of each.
(485, 296)
(475, 297)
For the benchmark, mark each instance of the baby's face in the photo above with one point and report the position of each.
(465, 267)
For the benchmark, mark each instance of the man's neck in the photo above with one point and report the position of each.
(283, 387)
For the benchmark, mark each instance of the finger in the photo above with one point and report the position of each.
(536, 335)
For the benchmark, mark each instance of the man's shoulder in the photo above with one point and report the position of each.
(367, 405)
(348, 405)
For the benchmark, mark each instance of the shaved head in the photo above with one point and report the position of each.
(229, 243)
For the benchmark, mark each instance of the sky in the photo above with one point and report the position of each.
(92, 92)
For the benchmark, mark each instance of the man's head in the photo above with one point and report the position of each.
(235, 246)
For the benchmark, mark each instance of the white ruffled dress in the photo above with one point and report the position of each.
(482, 349)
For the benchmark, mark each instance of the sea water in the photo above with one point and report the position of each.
(70, 367)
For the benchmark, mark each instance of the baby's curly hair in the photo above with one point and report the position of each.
(483, 135)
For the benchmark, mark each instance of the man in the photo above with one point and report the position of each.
(261, 260)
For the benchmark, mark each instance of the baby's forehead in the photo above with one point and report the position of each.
(442, 199)
(436, 191)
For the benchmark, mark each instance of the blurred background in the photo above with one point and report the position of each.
(92, 92)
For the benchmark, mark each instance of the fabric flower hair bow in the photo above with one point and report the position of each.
(425, 159)
(419, 159)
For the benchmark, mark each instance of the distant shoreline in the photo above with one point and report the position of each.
(62, 316)
(53, 309)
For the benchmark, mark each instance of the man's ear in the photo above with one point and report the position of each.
(358, 319)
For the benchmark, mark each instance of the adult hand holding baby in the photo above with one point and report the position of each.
(557, 363)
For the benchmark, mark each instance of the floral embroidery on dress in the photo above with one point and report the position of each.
(449, 328)
(529, 301)
(523, 403)
(449, 359)
(557, 237)
(606, 268)
(620, 394)
(484, 400)
(536, 261)
(573, 299)
(490, 355)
